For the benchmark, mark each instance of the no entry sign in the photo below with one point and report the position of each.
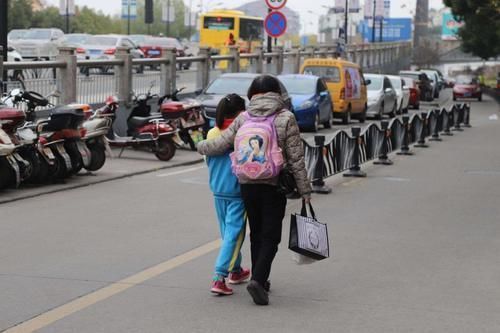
(276, 4)
(275, 24)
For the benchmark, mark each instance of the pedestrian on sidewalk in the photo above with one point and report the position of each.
(228, 203)
(264, 203)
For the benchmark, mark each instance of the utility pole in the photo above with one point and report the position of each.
(190, 23)
(128, 17)
(346, 20)
(381, 27)
(269, 41)
(373, 25)
(421, 20)
(168, 18)
(3, 35)
(67, 16)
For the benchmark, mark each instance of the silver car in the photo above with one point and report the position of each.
(104, 47)
(39, 43)
(382, 97)
(402, 93)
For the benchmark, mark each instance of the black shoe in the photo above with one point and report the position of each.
(258, 293)
(267, 286)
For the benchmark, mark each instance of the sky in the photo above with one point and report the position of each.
(399, 8)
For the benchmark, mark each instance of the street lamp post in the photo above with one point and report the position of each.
(373, 25)
(346, 20)
(3, 35)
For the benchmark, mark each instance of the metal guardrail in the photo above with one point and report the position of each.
(347, 151)
(62, 73)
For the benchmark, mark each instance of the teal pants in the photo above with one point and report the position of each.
(232, 223)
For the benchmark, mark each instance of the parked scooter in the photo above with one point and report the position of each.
(186, 116)
(94, 133)
(144, 130)
(10, 173)
(48, 157)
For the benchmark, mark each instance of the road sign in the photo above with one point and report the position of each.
(66, 7)
(275, 24)
(276, 4)
(129, 9)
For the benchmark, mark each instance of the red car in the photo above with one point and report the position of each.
(414, 92)
(467, 87)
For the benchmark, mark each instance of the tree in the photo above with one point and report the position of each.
(20, 14)
(480, 34)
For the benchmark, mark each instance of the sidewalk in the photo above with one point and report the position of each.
(131, 163)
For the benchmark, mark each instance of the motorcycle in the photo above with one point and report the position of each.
(94, 131)
(144, 130)
(10, 172)
(186, 116)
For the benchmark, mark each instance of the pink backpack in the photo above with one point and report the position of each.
(256, 155)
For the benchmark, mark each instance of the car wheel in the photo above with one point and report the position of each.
(315, 126)
(392, 114)
(417, 106)
(480, 98)
(380, 113)
(454, 97)
(362, 116)
(346, 118)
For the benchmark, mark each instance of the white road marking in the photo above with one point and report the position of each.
(180, 172)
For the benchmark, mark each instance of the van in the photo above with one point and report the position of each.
(346, 84)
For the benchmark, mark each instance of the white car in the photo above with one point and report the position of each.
(402, 93)
(381, 95)
(13, 55)
(104, 47)
(39, 43)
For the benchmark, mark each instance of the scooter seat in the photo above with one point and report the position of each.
(135, 122)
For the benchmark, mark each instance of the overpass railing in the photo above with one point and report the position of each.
(346, 152)
(91, 81)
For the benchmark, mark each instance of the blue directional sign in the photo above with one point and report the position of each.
(275, 24)
(129, 9)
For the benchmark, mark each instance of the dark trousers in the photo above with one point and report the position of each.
(266, 209)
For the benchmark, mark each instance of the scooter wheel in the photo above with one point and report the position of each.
(166, 150)
(59, 171)
(42, 175)
(97, 158)
(76, 158)
(6, 174)
(32, 157)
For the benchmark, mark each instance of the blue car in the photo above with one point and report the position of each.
(312, 104)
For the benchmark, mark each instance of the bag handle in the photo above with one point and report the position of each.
(303, 211)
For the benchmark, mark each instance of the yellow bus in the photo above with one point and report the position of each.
(218, 26)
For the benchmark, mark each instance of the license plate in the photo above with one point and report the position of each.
(467, 94)
(153, 52)
(95, 52)
(65, 156)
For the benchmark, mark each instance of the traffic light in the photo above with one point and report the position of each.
(149, 17)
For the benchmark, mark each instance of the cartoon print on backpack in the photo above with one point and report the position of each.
(254, 152)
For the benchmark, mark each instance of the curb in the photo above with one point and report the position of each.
(72, 187)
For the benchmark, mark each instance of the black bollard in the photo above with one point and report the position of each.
(435, 128)
(423, 132)
(382, 157)
(355, 169)
(405, 148)
(467, 116)
(447, 121)
(318, 184)
(456, 118)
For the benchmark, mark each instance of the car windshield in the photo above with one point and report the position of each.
(396, 83)
(100, 40)
(228, 85)
(37, 34)
(138, 39)
(414, 76)
(299, 86)
(75, 39)
(375, 82)
(328, 73)
(17, 34)
(466, 80)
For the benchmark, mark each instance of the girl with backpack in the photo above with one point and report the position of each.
(267, 118)
(228, 203)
